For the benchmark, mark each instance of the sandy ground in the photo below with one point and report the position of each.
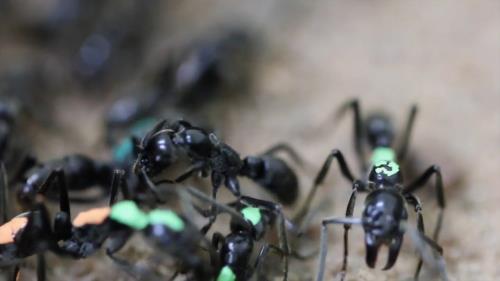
(443, 56)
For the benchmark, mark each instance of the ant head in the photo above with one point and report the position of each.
(156, 152)
(379, 130)
(383, 213)
(253, 167)
(385, 173)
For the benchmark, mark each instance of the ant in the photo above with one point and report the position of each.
(385, 205)
(33, 234)
(161, 148)
(27, 234)
(250, 221)
(81, 172)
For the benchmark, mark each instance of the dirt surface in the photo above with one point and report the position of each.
(443, 56)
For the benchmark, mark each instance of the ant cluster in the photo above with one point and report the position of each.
(138, 171)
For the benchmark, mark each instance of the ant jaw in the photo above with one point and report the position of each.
(373, 246)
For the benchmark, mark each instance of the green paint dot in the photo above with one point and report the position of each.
(252, 214)
(126, 212)
(380, 167)
(226, 274)
(168, 218)
(383, 154)
(123, 150)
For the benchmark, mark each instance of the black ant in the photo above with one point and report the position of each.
(29, 233)
(385, 205)
(249, 223)
(88, 231)
(162, 147)
(81, 172)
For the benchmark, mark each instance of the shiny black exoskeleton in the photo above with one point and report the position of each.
(164, 145)
(274, 174)
(81, 172)
(250, 223)
(87, 233)
(385, 206)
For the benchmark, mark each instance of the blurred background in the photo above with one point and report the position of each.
(262, 72)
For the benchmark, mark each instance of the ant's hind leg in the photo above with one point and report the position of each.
(422, 243)
(420, 182)
(358, 129)
(413, 200)
(403, 148)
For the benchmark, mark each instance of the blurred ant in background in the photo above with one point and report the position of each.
(79, 171)
(385, 205)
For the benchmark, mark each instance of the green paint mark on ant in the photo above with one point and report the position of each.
(252, 214)
(167, 218)
(226, 274)
(126, 212)
(380, 167)
(383, 154)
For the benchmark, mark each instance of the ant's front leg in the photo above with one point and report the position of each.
(324, 242)
(320, 177)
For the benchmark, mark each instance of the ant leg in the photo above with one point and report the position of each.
(38, 228)
(116, 182)
(292, 153)
(358, 129)
(320, 177)
(264, 250)
(422, 244)
(57, 178)
(413, 200)
(151, 186)
(349, 212)
(324, 242)
(420, 182)
(219, 207)
(62, 220)
(196, 167)
(41, 267)
(4, 195)
(403, 148)
(130, 269)
(233, 185)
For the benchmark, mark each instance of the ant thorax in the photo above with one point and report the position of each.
(385, 171)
